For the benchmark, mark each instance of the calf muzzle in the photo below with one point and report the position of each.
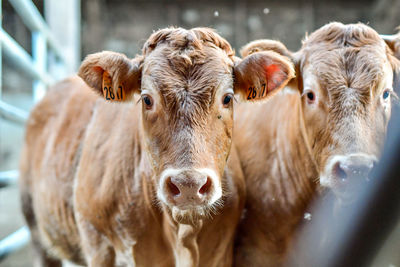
(353, 165)
(344, 173)
(189, 188)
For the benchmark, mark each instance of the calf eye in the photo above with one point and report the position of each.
(311, 96)
(385, 94)
(227, 100)
(148, 101)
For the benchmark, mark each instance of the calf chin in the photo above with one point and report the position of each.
(194, 215)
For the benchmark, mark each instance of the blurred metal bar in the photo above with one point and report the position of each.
(379, 206)
(13, 242)
(64, 21)
(8, 177)
(1, 54)
(21, 58)
(352, 234)
(12, 113)
(39, 55)
(241, 30)
(34, 21)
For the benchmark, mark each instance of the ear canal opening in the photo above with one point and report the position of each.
(98, 69)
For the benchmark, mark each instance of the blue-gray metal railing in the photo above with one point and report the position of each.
(13, 242)
(34, 21)
(35, 67)
(8, 177)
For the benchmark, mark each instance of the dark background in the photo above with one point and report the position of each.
(125, 25)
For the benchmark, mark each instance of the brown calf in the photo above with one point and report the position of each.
(150, 184)
(327, 128)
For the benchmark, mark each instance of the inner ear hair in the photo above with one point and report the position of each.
(393, 42)
(277, 47)
(261, 75)
(121, 69)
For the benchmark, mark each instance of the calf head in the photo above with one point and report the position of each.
(186, 80)
(345, 79)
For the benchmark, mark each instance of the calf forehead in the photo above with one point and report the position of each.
(347, 56)
(358, 69)
(186, 64)
(187, 79)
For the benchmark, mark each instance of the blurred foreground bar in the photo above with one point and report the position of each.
(351, 235)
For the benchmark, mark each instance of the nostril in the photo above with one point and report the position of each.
(339, 172)
(173, 189)
(206, 187)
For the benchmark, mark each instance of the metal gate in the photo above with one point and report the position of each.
(45, 48)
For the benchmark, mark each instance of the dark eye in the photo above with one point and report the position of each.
(227, 100)
(311, 96)
(148, 101)
(386, 94)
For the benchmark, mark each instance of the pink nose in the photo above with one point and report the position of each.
(188, 188)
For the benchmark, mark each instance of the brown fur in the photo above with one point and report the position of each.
(394, 44)
(264, 45)
(284, 144)
(91, 168)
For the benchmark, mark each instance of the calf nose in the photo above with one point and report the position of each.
(357, 165)
(188, 188)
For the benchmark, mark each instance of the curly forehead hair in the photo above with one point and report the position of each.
(348, 56)
(187, 66)
(338, 35)
(182, 39)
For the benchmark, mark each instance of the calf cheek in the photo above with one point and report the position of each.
(156, 138)
(325, 147)
(221, 142)
(379, 131)
(317, 129)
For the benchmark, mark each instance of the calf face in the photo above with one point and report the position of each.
(345, 78)
(186, 80)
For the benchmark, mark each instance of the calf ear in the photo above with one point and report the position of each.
(112, 75)
(260, 75)
(393, 42)
(265, 45)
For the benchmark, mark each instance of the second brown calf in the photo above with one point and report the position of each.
(326, 128)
